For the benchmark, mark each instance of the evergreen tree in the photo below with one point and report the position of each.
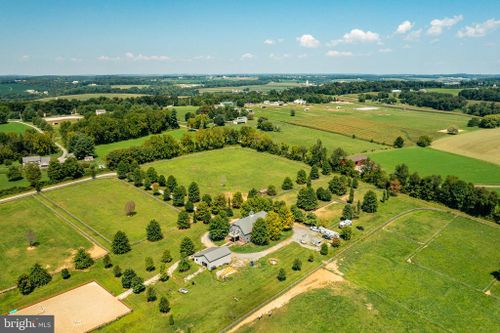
(271, 190)
(187, 247)
(326, 168)
(127, 277)
(171, 320)
(399, 142)
(194, 192)
(314, 174)
(150, 294)
(347, 212)
(355, 183)
(166, 257)
(171, 183)
(178, 196)
(297, 265)
(306, 199)
(323, 194)
(24, 284)
(162, 181)
(203, 212)
(298, 215)
(324, 249)
(120, 243)
(164, 305)
(149, 264)
(206, 198)
(82, 259)
(219, 203)
(183, 220)
(153, 231)
(183, 265)
(122, 169)
(152, 174)
(370, 203)
(167, 195)
(137, 285)
(189, 207)
(346, 233)
(237, 200)
(163, 273)
(219, 228)
(287, 184)
(138, 177)
(301, 177)
(147, 184)
(351, 196)
(117, 271)
(281, 275)
(38, 276)
(252, 193)
(337, 186)
(260, 234)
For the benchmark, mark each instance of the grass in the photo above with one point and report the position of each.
(451, 91)
(128, 86)
(251, 247)
(382, 125)
(427, 161)
(4, 180)
(105, 149)
(56, 240)
(100, 204)
(84, 97)
(229, 170)
(13, 127)
(211, 304)
(256, 87)
(482, 144)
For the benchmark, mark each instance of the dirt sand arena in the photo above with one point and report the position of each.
(79, 310)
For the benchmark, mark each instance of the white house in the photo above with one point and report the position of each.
(299, 101)
(213, 257)
(240, 120)
(345, 223)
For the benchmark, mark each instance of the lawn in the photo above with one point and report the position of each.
(483, 144)
(100, 204)
(433, 265)
(229, 170)
(13, 127)
(84, 97)
(212, 304)
(4, 180)
(251, 247)
(381, 124)
(56, 239)
(427, 161)
(105, 149)
(451, 91)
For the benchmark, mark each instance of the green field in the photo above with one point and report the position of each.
(105, 149)
(404, 277)
(256, 87)
(427, 161)
(56, 239)
(5, 183)
(483, 144)
(382, 124)
(451, 91)
(128, 86)
(13, 127)
(100, 204)
(83, 97)
(229, 170)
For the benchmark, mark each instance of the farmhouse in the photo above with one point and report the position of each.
(98, 112)
(359, 161)
(242, 229)
(43, 162)
(213, 257)
(299, 101)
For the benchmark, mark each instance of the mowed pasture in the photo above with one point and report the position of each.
(84, 97)
(57, 241)
(13, 127)
(229, 170)
(433, 265)
(100, 204)
(483, 145)
(255, 87)
(380, 124)
(427, 161)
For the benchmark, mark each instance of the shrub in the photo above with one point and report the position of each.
(399, 142)
(137, 285)
(127, 277)
(106, 261)
(39, 276)
(297, 265)
(24, 285)
(324, 249)
(453, 130)
(164, 305)
(287, 184)
(424, 141)
(150, 294)
(271, 190)
(311, 258)
(281, 275)
(166, 256)
(346, 233)
(65, 274)
(117, 271)
(183, 265)
(336, 242)
(150, 266)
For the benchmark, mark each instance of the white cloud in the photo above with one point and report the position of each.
(246, 56)
(437, 25)
(478, 29)
(269, 42)
(25, 57)
(279, 56)
(308, 41)
(387, 50)
(107, 58)
(302, 56)
(141, 57)
(357, 36)
(335, 53)
(404, 27)
(414, 35)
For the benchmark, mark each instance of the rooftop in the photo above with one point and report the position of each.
(213, 253)
(246, 223)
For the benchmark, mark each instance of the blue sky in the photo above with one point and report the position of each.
(163, 37)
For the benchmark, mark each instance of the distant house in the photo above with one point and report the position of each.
(358, 160)
(299, 101)
(224, 104)
(98, 112)
(345, 223)
(242, 229)
(397, 91)
(213, 257)
(240, 120)
(43, 162)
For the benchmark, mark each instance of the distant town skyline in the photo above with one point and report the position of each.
(191, 37)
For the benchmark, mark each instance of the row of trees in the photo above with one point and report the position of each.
(446, 102)
(481, 94)
(13, 146)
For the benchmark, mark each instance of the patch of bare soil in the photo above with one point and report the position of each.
(446, 130)
(319, 279)
(334, 267)
(97, 252)
(31, 248)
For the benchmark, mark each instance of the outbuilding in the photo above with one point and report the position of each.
(213, 257)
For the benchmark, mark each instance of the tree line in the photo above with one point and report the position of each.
(14, 146)
(481, 94)
(438, 101)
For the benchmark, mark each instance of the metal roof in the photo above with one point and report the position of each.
(213, 253)
(246, 223)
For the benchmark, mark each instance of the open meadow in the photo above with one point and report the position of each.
(100, 205)
(84, 97)
(278, 86)
(57, 242)
(378, 123)
(14, 127)
(427, 161)
(483, 144)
